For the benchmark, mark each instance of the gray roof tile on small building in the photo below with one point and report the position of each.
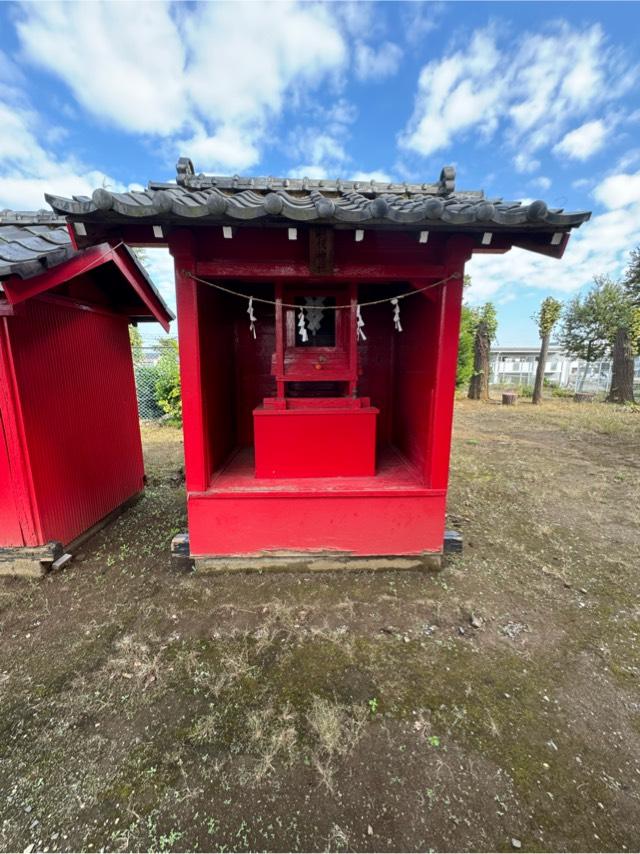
(230, 200)
(32, 242)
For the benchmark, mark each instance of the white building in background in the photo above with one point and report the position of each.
(517, 366)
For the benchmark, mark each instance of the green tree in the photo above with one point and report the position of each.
(623, 315)
(485, 332)
(168, 381)
(604, 320)
(631, 281)
(464, 368)
(583, 331)
(136, 344)
(546, 317)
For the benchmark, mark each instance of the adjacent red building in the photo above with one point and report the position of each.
(318, 328)
(70, 451)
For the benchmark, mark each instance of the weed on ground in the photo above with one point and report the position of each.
(495, 705)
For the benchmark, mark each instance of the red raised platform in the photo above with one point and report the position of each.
(332, 437)
(389, 513)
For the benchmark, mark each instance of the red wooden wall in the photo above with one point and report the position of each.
(76, 392)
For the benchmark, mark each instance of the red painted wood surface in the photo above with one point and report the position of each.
(19, 524)
(127, 279)
(391, 512)
(74, 379)
(315, 442)
(357, 524)
(409, 377)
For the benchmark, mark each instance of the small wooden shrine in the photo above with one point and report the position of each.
(70, 449)
(318, 328)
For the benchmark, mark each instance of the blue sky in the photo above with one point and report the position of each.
(528, 100)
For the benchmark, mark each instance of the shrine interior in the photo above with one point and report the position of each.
(396, 371)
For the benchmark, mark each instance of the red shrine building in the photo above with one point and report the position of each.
(318, 330)
(70, 449)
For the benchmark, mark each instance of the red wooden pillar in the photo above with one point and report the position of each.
(457, 253)
(196, 451)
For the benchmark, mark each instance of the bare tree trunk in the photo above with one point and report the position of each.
(479, 385)
(542, 362)
(621, 390)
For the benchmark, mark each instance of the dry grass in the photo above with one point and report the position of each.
(335, 731)
(134, 661)
(272, 736)
(142, 709)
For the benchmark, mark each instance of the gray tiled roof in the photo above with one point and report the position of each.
(232, 200)
(31, 242)
(34, 241)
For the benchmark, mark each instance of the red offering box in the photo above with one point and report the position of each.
(315, 438)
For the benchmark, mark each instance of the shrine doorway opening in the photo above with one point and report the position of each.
(364, 403)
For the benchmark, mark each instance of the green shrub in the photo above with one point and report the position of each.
(465, 346)
(168, 381)
(556, 391)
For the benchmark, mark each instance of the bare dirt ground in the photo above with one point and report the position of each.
(494, 706)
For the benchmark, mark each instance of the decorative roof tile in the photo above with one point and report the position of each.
(234, 199)
(32, 242)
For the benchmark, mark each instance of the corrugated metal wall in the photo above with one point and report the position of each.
(75, 376)
(10, 531)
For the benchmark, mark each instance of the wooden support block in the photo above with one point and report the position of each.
(319, 562)
(29, 561)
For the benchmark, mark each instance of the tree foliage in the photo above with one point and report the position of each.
(546, 317)
(591, 325)
(468, 324)
(168, 380)
(489, 319)
(585, 330)
(486, 327)
(135, 339)
(631, 281)
(465, 342)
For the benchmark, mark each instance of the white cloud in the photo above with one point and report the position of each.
(124, 62)
(524, 163)
(358, 17)
(375, 175)
(228, 148)
(208, 77)
(601, 246)
(247, 58)
(581, 142)
(455, 94)
(620, 190)
(309, 171)
(628, 159)
(529, 87)
(319, 146)
(542, 181)
(421, 18)
(374, 63)
(28, 170)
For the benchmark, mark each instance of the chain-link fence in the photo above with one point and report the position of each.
(515, 367)
(157, 382)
